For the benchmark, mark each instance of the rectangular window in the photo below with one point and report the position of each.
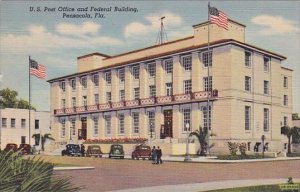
(108, 97)
(96, 96)
(136, 72)
(207, 83)
(96, 80)
(84, 101)
(96, 126)
(63, 103)
(37, 124)
(136, 93)
(285, 100)
(63, 86)
(206, 117)
(266, 87)
(266, 119)
(247, 83)
(136, 122)
(122, 95)
(23, 123)
(108, 77)
(187, 86)
(151, 121)
(207, 59)
(169, 89)
(186, 120)
(13, 123)
(152, 91)
(84, 82)
(266, 64)
(73, 127)
(285, 121)
(247, 117)
(107, 124)
(151, 69)
(247, 59)
(73, 84)
(73, 101)
(23, 139)
(169, 66)
(121, 75)
(63, 128)
(187, 62)
(121, 124)
(4, 122)
(285, 82)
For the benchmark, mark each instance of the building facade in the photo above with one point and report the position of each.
(15, 126)
(163, 92)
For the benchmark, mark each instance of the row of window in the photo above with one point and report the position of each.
(136, 122)
(248, 61)
(135, 70)
(13, 123)
(187, 85)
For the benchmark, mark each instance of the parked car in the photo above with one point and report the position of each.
(141, 151)
(25, 149)
(11, 147)
(71, 150)
(94, 150)
(116, 150)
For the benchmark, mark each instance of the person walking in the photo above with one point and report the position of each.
(153, 155)
(158, 156)
(82, 150)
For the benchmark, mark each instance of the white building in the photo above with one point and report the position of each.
(15, 126)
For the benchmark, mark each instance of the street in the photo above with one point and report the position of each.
(114, 174)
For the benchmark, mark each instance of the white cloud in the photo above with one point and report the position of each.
(1, 78)
(38, 39)
(77, 30)
(152, 25)
(275, 25)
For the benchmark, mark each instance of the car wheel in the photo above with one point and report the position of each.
(143, 158)
(109, 156)
(122, 157)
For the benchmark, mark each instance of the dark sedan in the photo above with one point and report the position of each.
(71, 150)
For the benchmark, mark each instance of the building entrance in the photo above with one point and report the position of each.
(167, 127)
(82, 131)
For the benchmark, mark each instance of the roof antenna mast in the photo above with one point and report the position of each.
(162, 35)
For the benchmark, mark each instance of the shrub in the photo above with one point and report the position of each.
(243, 148)
(233, 147)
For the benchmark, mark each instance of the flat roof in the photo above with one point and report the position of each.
(215, 44)
(92, 54)
(206, 22)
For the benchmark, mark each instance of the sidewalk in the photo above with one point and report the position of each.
(197, 187)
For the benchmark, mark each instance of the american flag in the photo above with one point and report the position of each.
(37, 69)
(218, 17)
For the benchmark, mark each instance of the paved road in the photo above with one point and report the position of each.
(125, 174)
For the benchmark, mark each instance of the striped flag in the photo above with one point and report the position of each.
(36, 69)
(218, 17)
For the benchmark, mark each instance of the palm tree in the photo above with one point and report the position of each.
(290, 132)
(43, 138)
(202, 136)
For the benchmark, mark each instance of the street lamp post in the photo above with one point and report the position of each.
(187, 154)
(263, 137)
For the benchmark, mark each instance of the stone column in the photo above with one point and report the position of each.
(177, 76)
(160, 79)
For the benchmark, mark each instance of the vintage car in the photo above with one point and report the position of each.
(94, 150)
(71, 150)
(141, 151)
(116, 150)
(24, 149)
(11, 147)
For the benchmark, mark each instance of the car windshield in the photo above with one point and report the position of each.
(95, 148)
(117, 147)
(145, 147)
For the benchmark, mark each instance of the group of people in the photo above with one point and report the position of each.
(156, 155)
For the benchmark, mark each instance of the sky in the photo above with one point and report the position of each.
(53, 39)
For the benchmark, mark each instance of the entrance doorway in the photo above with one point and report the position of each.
(167, 127)
(82, 131)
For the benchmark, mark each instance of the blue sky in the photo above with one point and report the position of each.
(56, 42)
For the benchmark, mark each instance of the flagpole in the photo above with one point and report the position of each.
(208, 79)
(29, 102)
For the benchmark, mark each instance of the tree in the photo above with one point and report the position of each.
(290, 132)
(43, 138)
(30, 174)
(202, 136)
(8, 99)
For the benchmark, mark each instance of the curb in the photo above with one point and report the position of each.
(71, 168)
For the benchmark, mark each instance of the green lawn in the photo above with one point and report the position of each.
(262, 188)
